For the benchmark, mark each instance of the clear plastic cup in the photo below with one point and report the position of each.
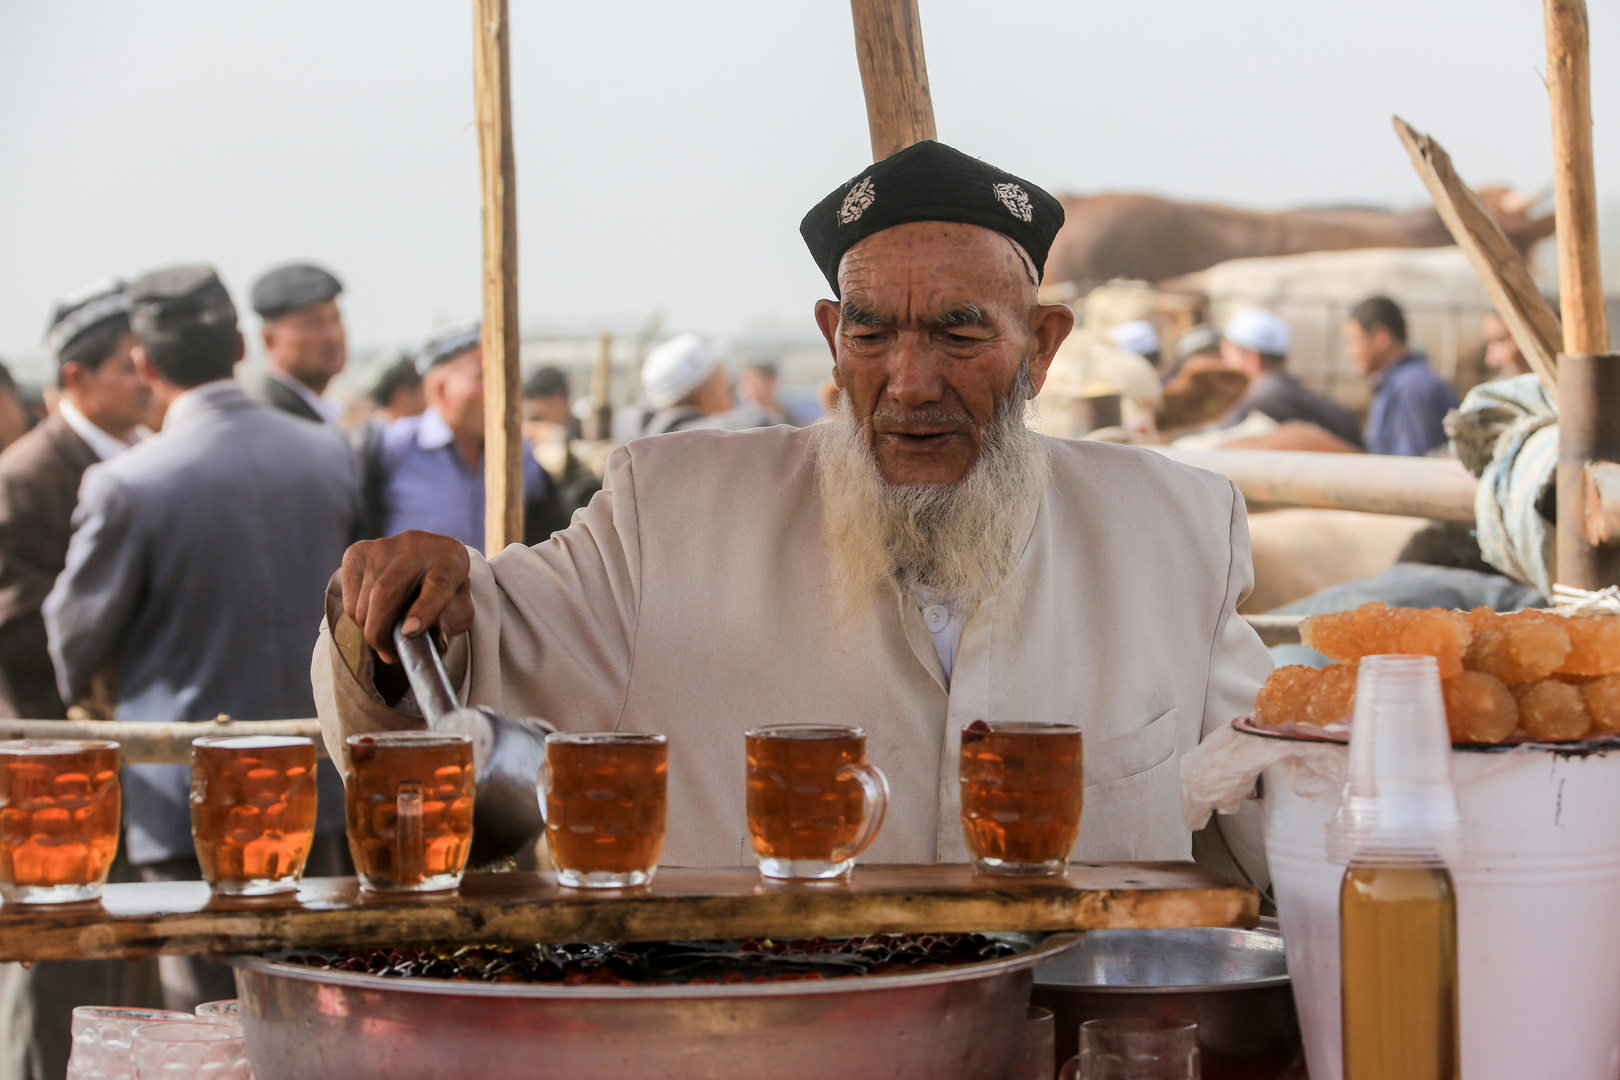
(101, 1040)
(1398, 803)
(230, 1008)
(189, 1049)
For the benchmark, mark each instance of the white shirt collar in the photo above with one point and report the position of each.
(325, 407)
(105, 445)
(433, 431)
(943, 619)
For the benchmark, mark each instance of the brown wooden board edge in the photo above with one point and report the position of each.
(91, 934)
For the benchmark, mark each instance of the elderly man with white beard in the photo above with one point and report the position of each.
(918, 561)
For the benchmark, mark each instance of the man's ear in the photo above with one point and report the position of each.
(828, 315)
(144, 366)
(1051, 324)
(241, 348)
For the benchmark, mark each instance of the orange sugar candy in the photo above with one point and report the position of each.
(1602, 700)
(1594, 645)
(1286, 695)
(1334, 696)
(1552, 710)
(1479, 708)
(1524, 647)
(1376, 628)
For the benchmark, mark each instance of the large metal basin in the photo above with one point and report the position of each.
(1232, 983)
(964, 1023)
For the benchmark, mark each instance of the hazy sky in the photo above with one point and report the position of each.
(666, 151)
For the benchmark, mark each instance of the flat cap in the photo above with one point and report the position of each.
(178, 299)
(296, 285)
(929, 181)
(447, 344)
(81, 311)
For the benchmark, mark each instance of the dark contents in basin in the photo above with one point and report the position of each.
(689, 963)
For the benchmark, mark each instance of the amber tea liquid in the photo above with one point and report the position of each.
(408, 799)
(59, 816)
(813, 801)
(1022, 788)
(1398, 951)
(252, 811)
(605, 801)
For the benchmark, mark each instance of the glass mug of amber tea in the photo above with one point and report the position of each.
(252, 811)
(813, 801)
(59, 806)
(604, 795)
(1022, 785)
(408, 800)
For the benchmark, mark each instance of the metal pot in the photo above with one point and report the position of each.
(1232, 983)
(963, 1022)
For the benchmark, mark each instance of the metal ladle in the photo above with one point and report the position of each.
(507, 753)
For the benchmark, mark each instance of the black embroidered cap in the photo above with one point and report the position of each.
(290, 287)
(929, 181)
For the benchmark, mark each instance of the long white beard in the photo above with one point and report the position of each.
(956, 538)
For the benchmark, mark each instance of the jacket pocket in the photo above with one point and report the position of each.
(1127, 755)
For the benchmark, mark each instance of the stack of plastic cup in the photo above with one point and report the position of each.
(1398, 804)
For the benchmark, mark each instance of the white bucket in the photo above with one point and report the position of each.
(1538, 911)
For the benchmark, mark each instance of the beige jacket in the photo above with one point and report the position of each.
(691, 597)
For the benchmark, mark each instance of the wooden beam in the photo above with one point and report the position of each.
(1569, 86)
(1436, 488)
(894, 74)
(156, 743)
(1528, 316)
(503, 440)
(523, 908)
(600, 424)
(1588, 433)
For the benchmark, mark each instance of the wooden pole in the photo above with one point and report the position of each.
(1588, 380)
(894, 74)
(1580, 279)
(1525, 312)
(503, 441)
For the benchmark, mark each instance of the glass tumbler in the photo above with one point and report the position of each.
(408, 800)
(228, 1009)
(190, 1050)
(814, 803)
(1022, 788)
(1132, 1049)
(59, 806)
(604, 794)
(101, 1040)
(252, 811)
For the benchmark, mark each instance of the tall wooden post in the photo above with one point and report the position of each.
(894, 74)
(1588, 374)
(601, 420)
(503, 442)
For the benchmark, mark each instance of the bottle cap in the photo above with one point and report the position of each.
(1398, 804)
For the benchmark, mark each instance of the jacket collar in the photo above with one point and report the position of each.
(221, 395)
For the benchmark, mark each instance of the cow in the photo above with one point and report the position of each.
(1147, 238)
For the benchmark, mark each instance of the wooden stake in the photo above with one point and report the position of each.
(1528, 316)
(503, 441)
(1588, 434)
(1580, 279)
(894, 74)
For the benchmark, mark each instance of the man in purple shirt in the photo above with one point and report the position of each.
(1409, 402)
(428, 470)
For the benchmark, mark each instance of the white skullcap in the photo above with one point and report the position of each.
(675, 369)
(1260, 330)
(1136, 336)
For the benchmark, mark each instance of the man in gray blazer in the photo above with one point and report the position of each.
(197, 569)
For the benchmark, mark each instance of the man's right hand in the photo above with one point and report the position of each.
(381, 576)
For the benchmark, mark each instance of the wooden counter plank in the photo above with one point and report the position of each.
(518, 908)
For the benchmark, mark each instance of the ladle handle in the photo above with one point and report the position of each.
(425, 670)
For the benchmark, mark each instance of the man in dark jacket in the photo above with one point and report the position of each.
(1409, 402)
(102, 404)
(305, 346)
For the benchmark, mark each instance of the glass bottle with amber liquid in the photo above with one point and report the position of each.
(1397, 824)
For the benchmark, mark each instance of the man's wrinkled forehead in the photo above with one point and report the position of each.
(934, 256)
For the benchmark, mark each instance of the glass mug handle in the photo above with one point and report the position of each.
(1070, 1070)
(875, 794)
(408, 845)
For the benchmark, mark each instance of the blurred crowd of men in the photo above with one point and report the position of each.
(167, 534)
